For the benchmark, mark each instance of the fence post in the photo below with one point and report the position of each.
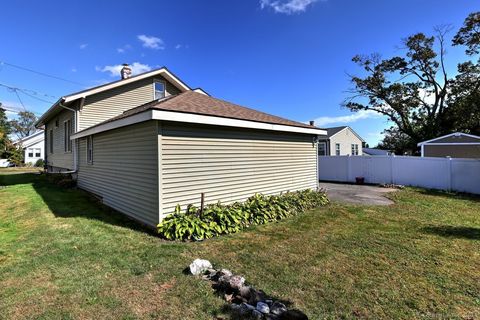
(449, 165)
(392, 158)
(348, 168)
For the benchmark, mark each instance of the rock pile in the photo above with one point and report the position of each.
(244, 300)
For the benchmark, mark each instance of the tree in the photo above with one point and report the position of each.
(465, 95)
(415, 92)
(24, 125)
(4, 132)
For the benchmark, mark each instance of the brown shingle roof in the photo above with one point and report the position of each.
(197, 103)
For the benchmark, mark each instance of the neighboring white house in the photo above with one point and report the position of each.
(340, 141)
(146, 143)
(33, 147)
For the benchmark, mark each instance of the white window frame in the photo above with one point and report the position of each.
(89, 149)
(50, 141)
(32, 151)
(67, 143)
(164, 88)
(354, 149)
(324, 148)
(37, 151)
(337, 149)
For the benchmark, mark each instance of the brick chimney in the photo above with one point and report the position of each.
(126, 71)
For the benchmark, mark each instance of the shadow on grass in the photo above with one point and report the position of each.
(449, 195)
(454, 232)
(72, 203)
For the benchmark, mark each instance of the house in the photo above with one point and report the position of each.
(376, 152)
(340, 141)
(455, 145)
(33, 147)
(144, 144)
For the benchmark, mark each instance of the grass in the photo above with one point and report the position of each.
(64, 256)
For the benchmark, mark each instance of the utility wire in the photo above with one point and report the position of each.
(40, 73)
(31, 93)
(19, 99)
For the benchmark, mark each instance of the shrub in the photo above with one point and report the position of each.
(217, 219)
(39, 163)
(63, 180)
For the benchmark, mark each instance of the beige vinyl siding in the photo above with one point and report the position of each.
(231, 164)
(124, 170)
(105, 105)
(59, 159)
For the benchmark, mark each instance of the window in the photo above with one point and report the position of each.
(67, 131)
(159, 90)
(90, 150)
(30, 152)
(50, 141)
(354, 149)
(337, 149)
(322, 149)
(38, 153)
(56, 123)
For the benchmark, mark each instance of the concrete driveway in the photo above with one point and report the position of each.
(357, 194)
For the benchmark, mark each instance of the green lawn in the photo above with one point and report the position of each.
(63, 256)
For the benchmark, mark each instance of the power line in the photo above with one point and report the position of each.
(21, 102)
(28, 92)
(41, 73)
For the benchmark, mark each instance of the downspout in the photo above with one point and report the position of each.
(74, 146)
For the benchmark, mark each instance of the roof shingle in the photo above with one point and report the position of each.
(197, 103)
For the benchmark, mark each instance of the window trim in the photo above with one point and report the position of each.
(39, 152)
(30, 151)
(67, 142)
(164, 88)
(89, 149)
(337, 149)
(50, 141)
(324, 148)
(354, 149)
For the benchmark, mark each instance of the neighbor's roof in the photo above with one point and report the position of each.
(219, 112)
(108, 86)
(31, 139)
(334, 130)
(453, 138)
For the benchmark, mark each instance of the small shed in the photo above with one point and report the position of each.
(455, 145)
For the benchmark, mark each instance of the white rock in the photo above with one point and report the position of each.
(199, 266)
(263, 307)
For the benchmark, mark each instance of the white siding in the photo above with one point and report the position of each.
(108, 104)
(345, 138)
(124, 170)
(230, 164)
(59, 159)
(39, 146)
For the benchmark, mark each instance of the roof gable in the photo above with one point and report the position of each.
(333, 131)
(164, 72)
(453, 138)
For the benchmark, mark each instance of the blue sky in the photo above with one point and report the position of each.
(289, 58)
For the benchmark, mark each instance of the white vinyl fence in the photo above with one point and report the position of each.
(436, 173)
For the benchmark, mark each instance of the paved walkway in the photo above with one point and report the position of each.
(357, 194)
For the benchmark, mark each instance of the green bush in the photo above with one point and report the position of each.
(217, 219)
(39, 163)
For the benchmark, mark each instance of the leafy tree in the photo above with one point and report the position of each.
(415, 92)
(24, 125)
(4, 132)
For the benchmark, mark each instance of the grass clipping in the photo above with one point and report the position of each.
(217, 219)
